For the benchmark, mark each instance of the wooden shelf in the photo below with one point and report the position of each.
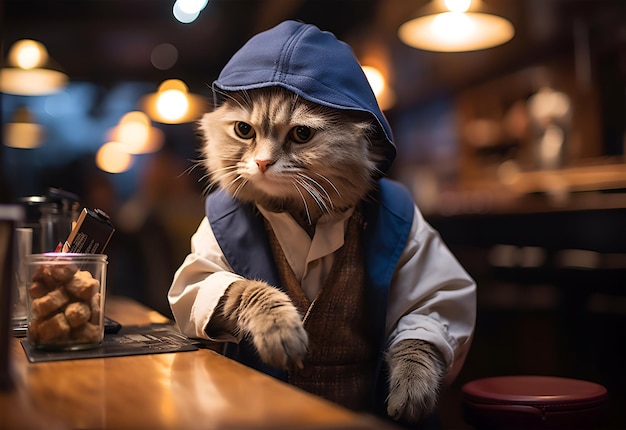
(583, 187)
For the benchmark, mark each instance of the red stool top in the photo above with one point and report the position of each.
(533, 402)
(534, 391)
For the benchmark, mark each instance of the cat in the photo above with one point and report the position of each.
(263, 147)
(310, 265)
(274, 149)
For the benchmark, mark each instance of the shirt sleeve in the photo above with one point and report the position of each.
(432, 298)
(199, 283)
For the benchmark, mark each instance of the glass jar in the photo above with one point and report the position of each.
(66, 300)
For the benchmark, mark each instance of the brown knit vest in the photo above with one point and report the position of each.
(340, 363)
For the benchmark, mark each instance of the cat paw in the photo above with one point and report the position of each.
(268, 317)
(416, 372)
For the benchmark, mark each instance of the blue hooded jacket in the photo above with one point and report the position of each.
(320, 68)
(313, 64)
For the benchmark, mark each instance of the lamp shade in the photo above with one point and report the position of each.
(136, 133)
(23, 131)
(172, 103)
(453, 29)
(31, 72)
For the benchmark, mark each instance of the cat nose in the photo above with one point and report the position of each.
(264, 164)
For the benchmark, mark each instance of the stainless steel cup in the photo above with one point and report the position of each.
(23, 248)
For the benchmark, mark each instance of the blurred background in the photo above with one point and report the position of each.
(514, 152)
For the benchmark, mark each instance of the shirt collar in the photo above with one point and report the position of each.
(298, 247)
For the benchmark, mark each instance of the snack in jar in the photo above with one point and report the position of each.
(66, 300)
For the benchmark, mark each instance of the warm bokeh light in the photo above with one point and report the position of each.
(23, 131)
(453, 32)
(113, 158)
(135, 117)
(23, 135)
(456, 30)
(28, 73)
(375, 79)
(458, 6)
(549, 105)
(136, 133)
(31, 82)
(452, 27)
(28, 54)
(172, 103)
(133, 131)
(509, 172)
(380, 87)
(173, 84)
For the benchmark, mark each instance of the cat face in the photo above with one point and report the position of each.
(271, 147)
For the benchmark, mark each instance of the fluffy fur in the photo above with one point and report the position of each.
(416, 372)
(302, 176)
(284, 153)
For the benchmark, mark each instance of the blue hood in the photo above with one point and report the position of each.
(311, 63)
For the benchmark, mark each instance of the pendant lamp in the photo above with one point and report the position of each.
(30, 71)
(172, 103)
(23, 131)
(136, 133)
(456, 26)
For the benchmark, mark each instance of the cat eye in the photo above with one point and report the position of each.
(244, 130)
(301, 134)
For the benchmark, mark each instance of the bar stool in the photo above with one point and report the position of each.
(533, 402)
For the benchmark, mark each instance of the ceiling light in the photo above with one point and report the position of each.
(136, 133)
(31, 72)
(186, 11)
(383, 93)
(192, 6)
(173, 103)
(113, 158)
(23, 131)
(456, 26)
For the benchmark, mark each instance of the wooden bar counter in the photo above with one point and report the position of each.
(185, 390)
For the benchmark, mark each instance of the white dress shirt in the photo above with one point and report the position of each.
(431, 297)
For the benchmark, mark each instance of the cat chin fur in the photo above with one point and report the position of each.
(292, 204)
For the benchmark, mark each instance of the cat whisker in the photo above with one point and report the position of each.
(318, 197)
(314, 182)
(204, 178)
(329, 183)
(223, 175)
(306, 207)
(329, 202)
(240, 186)
(223, 172)
(219, 174)
(194, 164)
(223, 169)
